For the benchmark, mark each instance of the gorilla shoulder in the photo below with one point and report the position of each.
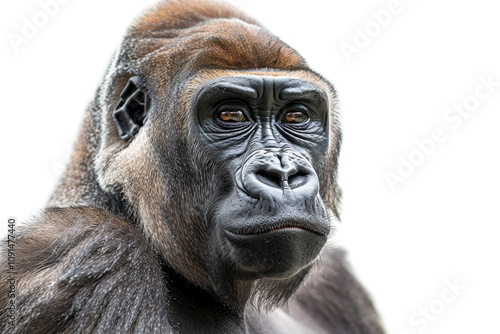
(74, 263)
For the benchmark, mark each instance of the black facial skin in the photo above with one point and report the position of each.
(272, 222)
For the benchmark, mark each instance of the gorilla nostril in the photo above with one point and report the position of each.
(275, 179)
(271, 179)
(297, 179)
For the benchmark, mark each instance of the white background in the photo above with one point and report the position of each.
(440, 225)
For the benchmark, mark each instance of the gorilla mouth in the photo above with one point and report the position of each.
(287, 225)
(276, 249)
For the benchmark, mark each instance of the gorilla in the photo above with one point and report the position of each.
(200, 196)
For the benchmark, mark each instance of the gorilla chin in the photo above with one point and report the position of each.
(261, 260)
(280, 252)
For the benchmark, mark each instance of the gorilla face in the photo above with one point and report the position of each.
(268, 130)
(237, 161)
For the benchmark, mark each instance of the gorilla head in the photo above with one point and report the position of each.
(222, 144)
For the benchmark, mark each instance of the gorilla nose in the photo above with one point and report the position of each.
(284, 176)
(279, 174)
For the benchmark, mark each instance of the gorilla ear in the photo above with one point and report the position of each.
(131, 112)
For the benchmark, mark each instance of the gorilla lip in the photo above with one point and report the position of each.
(280, 226)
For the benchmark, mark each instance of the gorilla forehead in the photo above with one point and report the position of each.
(255, 87)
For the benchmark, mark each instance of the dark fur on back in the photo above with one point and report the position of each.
(84, 270)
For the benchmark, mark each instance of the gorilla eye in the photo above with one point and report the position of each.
(232, 116)
(296, 114)
(295, 117)
(231, 113)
